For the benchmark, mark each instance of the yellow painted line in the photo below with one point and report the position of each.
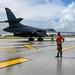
(29, 47)
(8, 51)
(12, 62)
(67, 48)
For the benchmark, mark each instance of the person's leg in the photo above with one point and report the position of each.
(60, 50)
(58, 53)
(57, 50)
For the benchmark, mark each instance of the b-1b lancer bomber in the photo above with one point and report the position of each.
(22, 30)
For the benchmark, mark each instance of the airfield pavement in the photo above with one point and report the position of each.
(22, 57)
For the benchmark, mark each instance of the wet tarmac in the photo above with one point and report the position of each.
(21, 57)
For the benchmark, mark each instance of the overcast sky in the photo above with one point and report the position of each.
(56, 14)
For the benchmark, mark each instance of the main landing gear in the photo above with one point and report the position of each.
(32, 39)
(40, 39)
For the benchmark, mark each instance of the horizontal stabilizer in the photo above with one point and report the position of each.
(12, 21)
(15, 20)
(2, 21)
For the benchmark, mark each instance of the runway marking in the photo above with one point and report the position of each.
(29, 47)
(67, 48)
(11, 51)
(13, 62)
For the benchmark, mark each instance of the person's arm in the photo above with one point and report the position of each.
(63, 39)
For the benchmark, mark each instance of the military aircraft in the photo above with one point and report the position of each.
(22, 30)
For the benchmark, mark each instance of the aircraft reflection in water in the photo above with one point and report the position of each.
(22, 30)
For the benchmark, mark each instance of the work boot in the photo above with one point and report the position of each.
(57, 56)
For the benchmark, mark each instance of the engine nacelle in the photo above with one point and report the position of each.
(40, 33)
(18, 34)
(23, 34)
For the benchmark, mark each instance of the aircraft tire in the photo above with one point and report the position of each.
(31, 39)
(40, 39)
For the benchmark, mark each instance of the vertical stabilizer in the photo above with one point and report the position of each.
(12, 20)
(10, 15)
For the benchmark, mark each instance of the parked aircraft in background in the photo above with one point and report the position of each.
(23, 30)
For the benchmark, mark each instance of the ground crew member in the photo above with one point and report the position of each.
(59, 41)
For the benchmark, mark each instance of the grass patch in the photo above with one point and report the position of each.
(16, 37)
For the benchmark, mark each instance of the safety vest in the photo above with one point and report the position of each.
(59, 39)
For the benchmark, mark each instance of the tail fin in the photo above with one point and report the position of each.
(12, 20)
(10, 15)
